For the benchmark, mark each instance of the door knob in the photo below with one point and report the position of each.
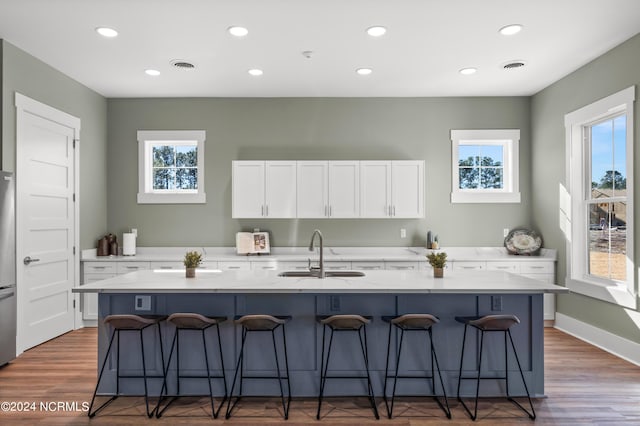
(27, 260)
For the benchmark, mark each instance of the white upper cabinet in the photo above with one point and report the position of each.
(264, 189)
(375, 188)
(344, 189)
(328, 189)
(407, 189)
(392, 189)
(313, 189)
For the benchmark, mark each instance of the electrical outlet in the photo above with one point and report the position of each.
(403, 233)
(496, 303)
(505, 232)
(334, 302)
(143, 303)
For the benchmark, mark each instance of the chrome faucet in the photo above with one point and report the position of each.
(320, 268)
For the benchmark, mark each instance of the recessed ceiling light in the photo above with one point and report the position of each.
(468, 71)
(183, 65)
(364, 71)
(510, 29)
(255, 72)
(238, 31)
(376, 31)
(106, 32)
(151, 72)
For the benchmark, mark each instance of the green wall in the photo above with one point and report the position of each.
(614, 71)
(305, 129)
(31, 77)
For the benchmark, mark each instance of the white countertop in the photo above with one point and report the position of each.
(348, 254)
(260, 281)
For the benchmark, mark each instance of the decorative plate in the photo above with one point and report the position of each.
(523, 241)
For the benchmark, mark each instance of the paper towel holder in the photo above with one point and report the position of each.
(129, 244)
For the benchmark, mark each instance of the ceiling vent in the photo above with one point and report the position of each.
(183, 65)
(513, 65)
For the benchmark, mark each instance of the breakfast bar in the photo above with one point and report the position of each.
(376, 294)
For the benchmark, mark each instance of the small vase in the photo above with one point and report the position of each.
(438, 272)
(190, 272)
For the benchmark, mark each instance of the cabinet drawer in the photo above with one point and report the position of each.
(504, 266)
(367, 266)
(92, 278)
(469, 266)
(167, 265)
(402, 266)
(234, 266)
(209, 264)
(333, 266)
(271, 265)
(294, 266)
(99, 267)
(126, 267)
(536, 267)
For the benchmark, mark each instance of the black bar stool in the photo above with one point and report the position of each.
(420, 323)
(492, 323)
(193, 322)
(129, 323)
(262, 323)
(345, 323)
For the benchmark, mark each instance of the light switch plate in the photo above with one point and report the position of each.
(143, 303)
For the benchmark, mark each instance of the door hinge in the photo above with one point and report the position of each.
(74, 197)
(74, 303)
(74, 250)
(74, 143)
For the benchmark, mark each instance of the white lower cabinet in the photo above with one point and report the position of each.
(367, 266)
(402, 266)
(234, 266)
(468, 265)
(96, 271)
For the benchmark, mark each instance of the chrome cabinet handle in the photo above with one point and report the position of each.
(27, 260)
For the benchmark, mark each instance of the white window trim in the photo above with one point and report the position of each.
(145, 195)
(620, 293)
(509, 138)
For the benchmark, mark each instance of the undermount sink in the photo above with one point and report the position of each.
(328, 274)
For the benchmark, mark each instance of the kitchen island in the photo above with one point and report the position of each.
(378, 293)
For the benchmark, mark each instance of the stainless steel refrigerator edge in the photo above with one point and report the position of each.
(7, 268)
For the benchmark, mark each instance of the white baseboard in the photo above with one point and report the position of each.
(614, 344)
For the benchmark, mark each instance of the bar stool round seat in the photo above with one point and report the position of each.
(413, 323)
(128, 323)
(262, 323)
(191, 321)
(345, 323)
(485, 324)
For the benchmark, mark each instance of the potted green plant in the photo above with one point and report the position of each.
(437, 261)
(192, 260)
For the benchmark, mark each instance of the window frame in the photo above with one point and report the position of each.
(578, 177)
(146, 194)
(509, 139)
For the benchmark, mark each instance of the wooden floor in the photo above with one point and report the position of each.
(584, 386)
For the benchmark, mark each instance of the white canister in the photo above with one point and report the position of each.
(128, 244)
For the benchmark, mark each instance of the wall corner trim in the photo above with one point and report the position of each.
(614, 344)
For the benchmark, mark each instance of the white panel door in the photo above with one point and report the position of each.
(344, 189)
(375, 189)
(312, 189)
(45, 177)
(280, 189)
(407, 190)
(247, 188)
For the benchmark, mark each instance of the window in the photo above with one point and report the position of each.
(171, 167)
(485, 166)
(600, 180)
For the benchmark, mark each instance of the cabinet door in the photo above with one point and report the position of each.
(402, 266)
(312, 189)
(407, 190)
(247, 188)
(280, 189)
(344, 189)
(89, 301)
(375, 189)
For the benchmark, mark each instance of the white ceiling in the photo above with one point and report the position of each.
(427, 42)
